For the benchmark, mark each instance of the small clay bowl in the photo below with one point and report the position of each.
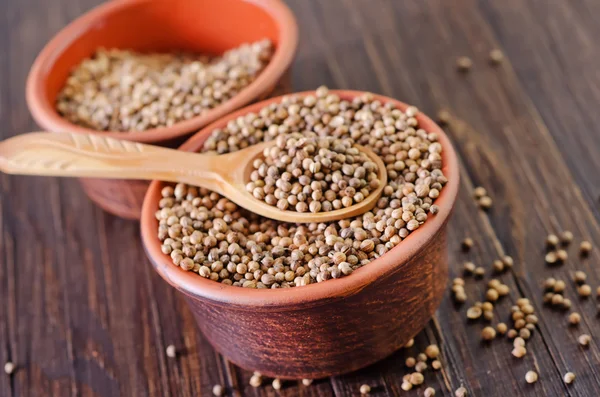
(327, 328)
(203, 26)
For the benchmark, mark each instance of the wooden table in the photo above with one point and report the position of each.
(82, 312)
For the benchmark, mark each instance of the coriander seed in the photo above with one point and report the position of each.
(218, 390)
(410, 362)
(485, 203)
(406, 386)
(9, 368)
(429, 392)
(436, 364)
(519, 351)
(256, 380)
(552, 240)
(479, 192)
(432, 351)
(566, 237)
(531, 377)
(474, 313)
(467, 244)
(501, 328)
(580, 277)
(574, 318)
(585, 247)
(307, 382)
(171, 351)
(569, 378)
(464, 64)
(496, 56)
(410, 343)
(444, 117)
(584, 340)
(562, 255)
(460, 392)
(584, 290)
(549, 283)
(276, 384)
(416, 378)
(365, 389)
(498, 266)
(488, 333)
(469, 268)
(559, 286)
(551, 258)
(479, 272)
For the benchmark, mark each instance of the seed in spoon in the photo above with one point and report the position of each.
(318, 174)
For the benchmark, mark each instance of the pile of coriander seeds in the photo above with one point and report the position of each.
(206, 233)
(120, 90)
(309, 173)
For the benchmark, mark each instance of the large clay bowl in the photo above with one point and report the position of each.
(327, 328)
(204, 26)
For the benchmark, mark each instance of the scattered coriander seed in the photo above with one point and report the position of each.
(559, 286)
(479, 192)
(512, 333)
(580, 277)
(460, 392)
(410, 343)
(444, 117)
(552, 240)
(501, 328)
(467, 244)
(574, 318)
(496, 56)
(566, 304)
(498, 266)
(519, 342)
(422, 357)
(531, 377)
(491, 295)
(307, 382)
(488, 333)
(171, 351)
(494, 283)
(503, 290)
(436, 364)
(276, 384)
(473, 313)
(464, 64)
(485, 203)
(432, 351)
(585, 247)
(469, 268)
(255, 380)
(566, 237)
(548, 297)
(584, 339)
(416, 378)
(487, 306)
(421, 366)
(429, 392)
(549, 283)
(584, 290)
(551, 258)
(562, 255)
(410, 362)
(488, 315)
(406, 386)
(531, 319)
(122, 90)
(9, 368)
(479, 272)
(458, 281)
(218, 390)
(557, 299)
(569, 378)
(365, 389)
(525, 333)
(460, 297)
(519, 351)
(508, 261)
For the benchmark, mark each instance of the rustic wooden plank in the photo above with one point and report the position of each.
(560, 77)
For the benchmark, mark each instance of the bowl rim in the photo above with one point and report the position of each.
(45, 114)
(199, 287)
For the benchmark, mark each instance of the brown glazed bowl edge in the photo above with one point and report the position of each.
(314, 294)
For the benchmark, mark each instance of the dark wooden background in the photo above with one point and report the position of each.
(83, 314)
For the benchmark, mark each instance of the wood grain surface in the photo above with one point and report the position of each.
(83, 314)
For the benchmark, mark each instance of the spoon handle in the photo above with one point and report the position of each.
(95, 156)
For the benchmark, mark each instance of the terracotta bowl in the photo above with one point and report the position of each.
(327, 328)
(204, 26)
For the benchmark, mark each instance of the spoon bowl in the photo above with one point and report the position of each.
(96, 156)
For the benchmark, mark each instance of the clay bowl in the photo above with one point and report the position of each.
(327, 328)
(204, 26)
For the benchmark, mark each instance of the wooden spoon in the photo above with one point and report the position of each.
(95, 156)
